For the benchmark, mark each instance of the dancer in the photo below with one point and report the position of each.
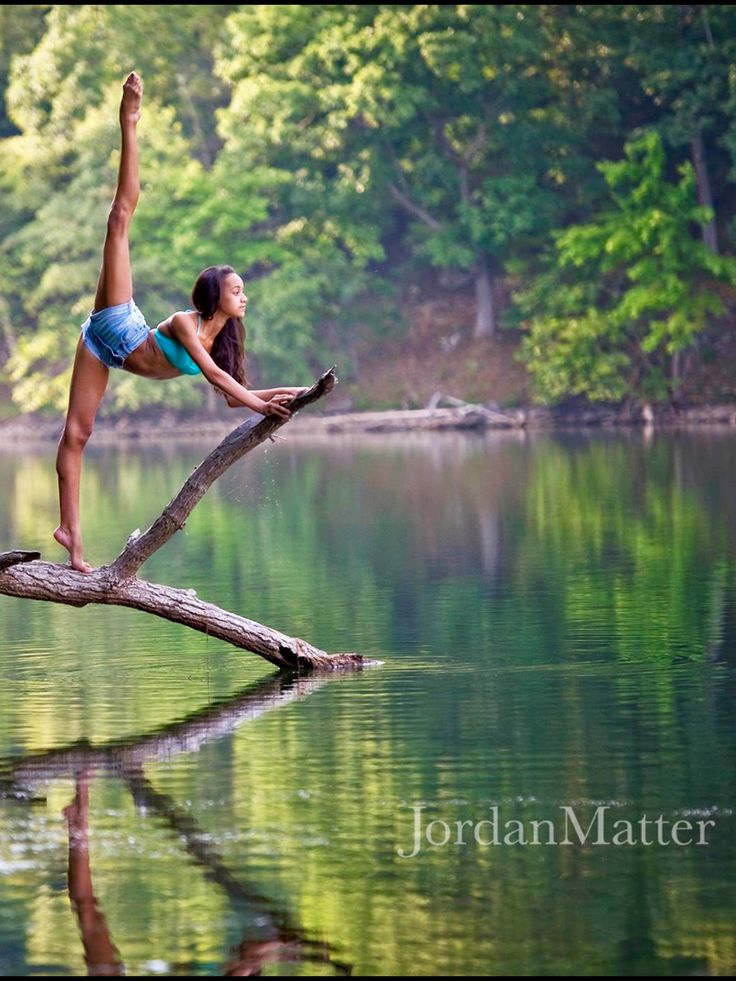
(208, 339)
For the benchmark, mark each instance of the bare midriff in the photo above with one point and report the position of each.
(149, 361)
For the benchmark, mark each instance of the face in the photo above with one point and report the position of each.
(233, 300)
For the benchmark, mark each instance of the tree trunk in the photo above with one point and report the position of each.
(23, 575)
(62, 584)
(676, 366)
(705, 196)
(485, 315)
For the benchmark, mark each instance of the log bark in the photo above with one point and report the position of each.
(23, 575)
(14, 558)
(419, 420)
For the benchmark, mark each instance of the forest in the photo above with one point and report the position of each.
(571, 168)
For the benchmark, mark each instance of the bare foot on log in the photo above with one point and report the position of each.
(74, 547)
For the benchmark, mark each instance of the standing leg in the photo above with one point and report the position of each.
(89, 381)
(115, 284)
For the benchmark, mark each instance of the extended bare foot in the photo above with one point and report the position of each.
(130, 105)
(74, 547)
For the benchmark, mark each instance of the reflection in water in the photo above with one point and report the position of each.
(557, 617)
(100, 953)
(278, 939)
(187, 736)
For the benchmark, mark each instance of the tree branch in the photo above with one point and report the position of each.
(415, 209)
(24, 576)
(15, 558)
(239, 442)
(62, 584)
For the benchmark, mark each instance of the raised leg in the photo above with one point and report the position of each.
(89, 381)
(115, 284)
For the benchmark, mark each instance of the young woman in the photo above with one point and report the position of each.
(207, 340)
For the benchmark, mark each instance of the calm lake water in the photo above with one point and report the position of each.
(557, 618)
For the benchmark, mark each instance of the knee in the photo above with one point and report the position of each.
(76, 435)
(119, 218)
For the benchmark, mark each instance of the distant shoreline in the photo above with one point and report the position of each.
(169, 425)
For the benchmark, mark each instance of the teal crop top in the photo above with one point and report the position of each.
(175, 353)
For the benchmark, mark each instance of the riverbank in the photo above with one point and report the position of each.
(171, 425)
(434, 376)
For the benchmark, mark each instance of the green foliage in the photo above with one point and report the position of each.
(684, 57)
(305, 145)
(21, 27)
(625, 292)
(323, 225)
(52, 262)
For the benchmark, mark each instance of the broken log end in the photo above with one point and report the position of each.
(16, 557)
(335, 662)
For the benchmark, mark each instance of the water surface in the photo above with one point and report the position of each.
(556, 615)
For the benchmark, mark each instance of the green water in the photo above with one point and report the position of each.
(557, 618)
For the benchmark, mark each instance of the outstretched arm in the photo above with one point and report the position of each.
(270, 393)
(235, 393)
(284, 395)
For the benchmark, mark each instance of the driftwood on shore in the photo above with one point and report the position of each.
(22, 574)
(457, 414)
(416, 420)
(453, 414)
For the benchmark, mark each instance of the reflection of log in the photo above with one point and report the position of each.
(278, 938)
(253, 956)
(118, 585)
(286, 942)
(21, 776)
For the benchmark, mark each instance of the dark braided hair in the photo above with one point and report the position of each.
(228, 351)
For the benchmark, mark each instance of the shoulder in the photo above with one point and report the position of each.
(183, 322)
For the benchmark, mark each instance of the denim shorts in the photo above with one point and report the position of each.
(111, 334)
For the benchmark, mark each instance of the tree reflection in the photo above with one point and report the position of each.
(278, 938)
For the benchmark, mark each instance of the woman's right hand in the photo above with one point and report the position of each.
(277, 407)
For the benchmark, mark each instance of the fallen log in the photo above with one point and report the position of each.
(23, 575)
(406, 420)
